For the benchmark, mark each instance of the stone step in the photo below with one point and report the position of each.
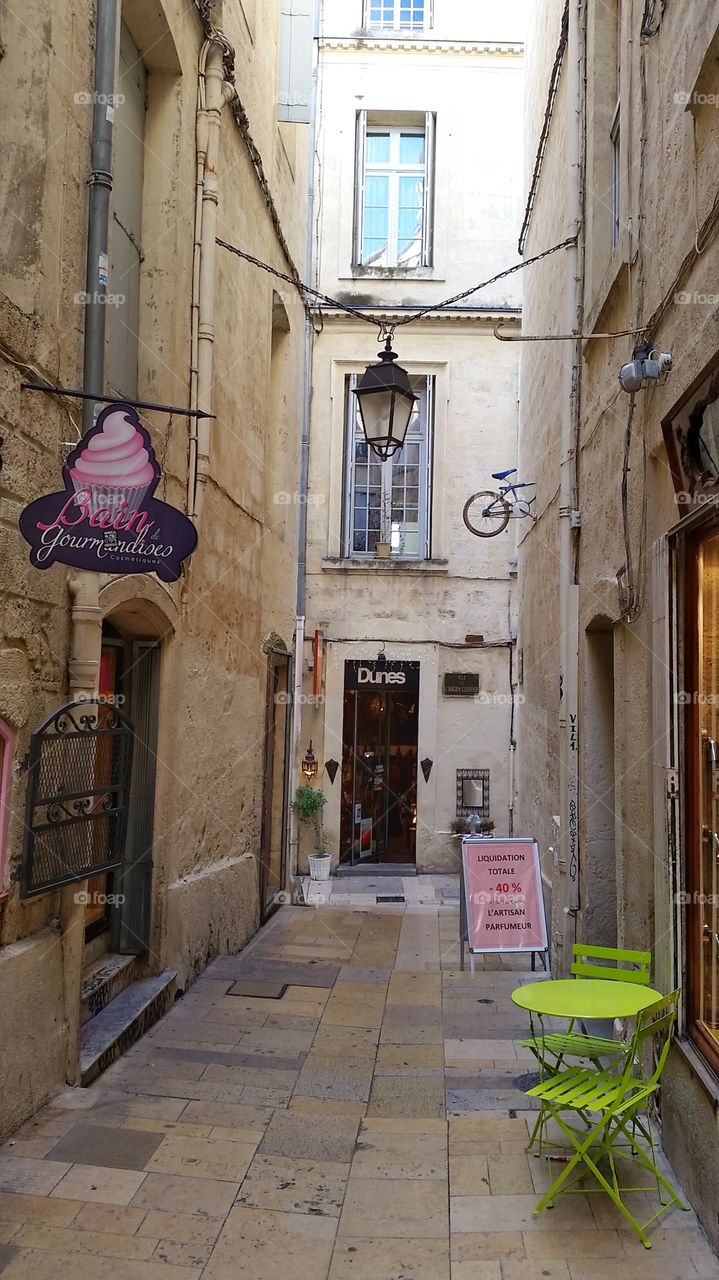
(106, 1036)
(103, 981)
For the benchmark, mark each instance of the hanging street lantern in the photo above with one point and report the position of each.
(309, 764)
(386, 400)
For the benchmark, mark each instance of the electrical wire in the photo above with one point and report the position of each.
(239, 114)
(546, 123)
(387, 329)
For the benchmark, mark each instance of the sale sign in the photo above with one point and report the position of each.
(107, 517)
(503, 895)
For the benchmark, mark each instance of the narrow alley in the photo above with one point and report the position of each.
(337, 1102)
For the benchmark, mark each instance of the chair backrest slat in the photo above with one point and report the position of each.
(584, 954)
(656, 1022)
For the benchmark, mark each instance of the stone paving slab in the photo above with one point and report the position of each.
(113, 1148)
(369, 1125)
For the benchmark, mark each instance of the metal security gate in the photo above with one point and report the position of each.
(78, 793)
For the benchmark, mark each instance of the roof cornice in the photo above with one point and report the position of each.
(415, 44)
(457, 315)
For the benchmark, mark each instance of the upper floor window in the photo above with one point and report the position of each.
(394, 184)
(398, 15)
(389, 502)
(6, 756)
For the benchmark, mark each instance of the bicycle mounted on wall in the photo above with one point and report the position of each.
(494, 511)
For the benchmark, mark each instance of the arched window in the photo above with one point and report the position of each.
(7, 739)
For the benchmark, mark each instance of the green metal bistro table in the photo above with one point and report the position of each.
(578, 1000)
(584, 998)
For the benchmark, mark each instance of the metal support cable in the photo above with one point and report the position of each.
(309, 292)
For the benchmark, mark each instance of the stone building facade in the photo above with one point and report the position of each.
(409, 673)
(200, 148)
(616, 575)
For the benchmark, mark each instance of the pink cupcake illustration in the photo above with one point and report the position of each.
(116, 465)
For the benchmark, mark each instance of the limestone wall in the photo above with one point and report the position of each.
(242, 579)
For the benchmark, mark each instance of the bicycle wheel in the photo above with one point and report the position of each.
(491, 514)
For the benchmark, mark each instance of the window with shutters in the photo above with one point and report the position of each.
(294, 97)
(390, 501)
(394, 193)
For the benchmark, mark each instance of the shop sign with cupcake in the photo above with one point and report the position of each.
(107, 518)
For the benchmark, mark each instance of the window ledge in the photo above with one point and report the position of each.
(395, 564)
(393, 273)
(701, 1069)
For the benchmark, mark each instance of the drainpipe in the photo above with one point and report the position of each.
(100, 183)
(85, 612)
(214, 92)
(567, 907)
(294, 772)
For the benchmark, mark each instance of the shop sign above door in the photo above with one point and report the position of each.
(384, 675)
(106, 518)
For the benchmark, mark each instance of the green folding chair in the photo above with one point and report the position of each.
(613, 1110)
(572, 1044)
(551, 1049)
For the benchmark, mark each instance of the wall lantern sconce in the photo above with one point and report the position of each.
(309, 764)
(386, 401)
(426, 767)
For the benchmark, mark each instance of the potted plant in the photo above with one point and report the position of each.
(308, 805)
(459, 827)
(383, 550)
(486, 827)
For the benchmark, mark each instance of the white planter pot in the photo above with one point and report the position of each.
(320, 864)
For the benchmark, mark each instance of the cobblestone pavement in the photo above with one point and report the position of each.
(369, 1124)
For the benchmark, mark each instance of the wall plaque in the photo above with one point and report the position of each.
(461, 684)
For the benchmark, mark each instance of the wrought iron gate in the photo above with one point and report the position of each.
(78, 792)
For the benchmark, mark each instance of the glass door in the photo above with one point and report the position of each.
(379, 776)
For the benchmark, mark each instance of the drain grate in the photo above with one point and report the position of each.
(390, 897)
(526, 1081)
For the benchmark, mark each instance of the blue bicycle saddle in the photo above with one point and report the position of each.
(502, 475)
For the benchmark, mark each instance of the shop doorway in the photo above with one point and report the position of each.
(379, 762)
(117, 912)
(273, 861)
